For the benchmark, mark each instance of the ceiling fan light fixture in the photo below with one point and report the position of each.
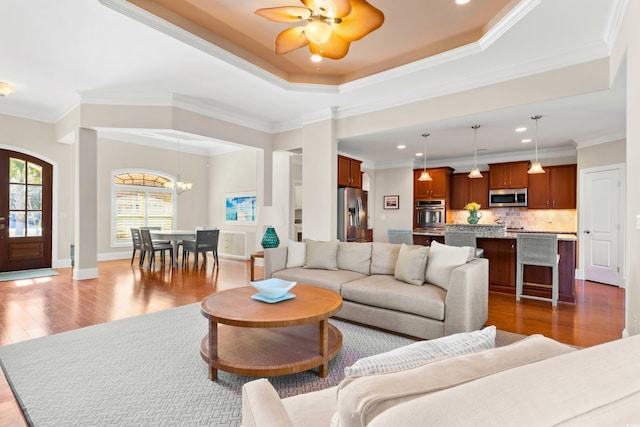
(316, 58)
(6, 89)
(317, 31)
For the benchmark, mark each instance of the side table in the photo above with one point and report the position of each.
(253, 262)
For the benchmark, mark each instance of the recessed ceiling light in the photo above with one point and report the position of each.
(462, 1)
(526, 140)
(6, 89)
(401, 147)
(419, 154)
(522, 129)
(316, 58)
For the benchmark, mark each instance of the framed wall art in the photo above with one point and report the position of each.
(391, 202)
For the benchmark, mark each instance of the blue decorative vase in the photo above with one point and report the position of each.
(473, 217)
(270, 239)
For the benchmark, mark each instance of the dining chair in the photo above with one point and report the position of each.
(206, 241)
(463, 238)
(152, 247)
(542, 250)
(136, 238)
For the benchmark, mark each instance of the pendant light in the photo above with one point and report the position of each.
(424, 176)
(536, 167)
(475, 172)
(179, 185)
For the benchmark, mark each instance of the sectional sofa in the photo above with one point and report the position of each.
(424, 292)
(533, 382)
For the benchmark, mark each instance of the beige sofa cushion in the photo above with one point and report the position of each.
(296, 254)
(328, 279)
(596, 386)
(384, 257)
(411, 263)
(354, 256)
(423, 352)
(443, 259)
(381, 290)
(362, 400)
(321, 255)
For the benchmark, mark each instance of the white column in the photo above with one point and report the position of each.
(85, 154)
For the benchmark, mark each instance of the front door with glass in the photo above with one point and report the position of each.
(25, 212)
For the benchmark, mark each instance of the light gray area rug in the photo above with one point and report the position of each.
(147, 371)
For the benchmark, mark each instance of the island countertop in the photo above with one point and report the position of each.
(492, 231)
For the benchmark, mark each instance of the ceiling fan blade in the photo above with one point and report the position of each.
(291, 39)
(334, 48)
(334, 8)
(285, 13)
(362, 20)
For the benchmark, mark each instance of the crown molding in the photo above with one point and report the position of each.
(602, 138)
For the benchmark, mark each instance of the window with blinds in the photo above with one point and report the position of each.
(140, 202)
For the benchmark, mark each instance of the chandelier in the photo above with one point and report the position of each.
(179, 186)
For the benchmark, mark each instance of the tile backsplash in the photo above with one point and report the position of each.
(529, 219)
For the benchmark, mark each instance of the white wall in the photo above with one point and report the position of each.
(388, 182)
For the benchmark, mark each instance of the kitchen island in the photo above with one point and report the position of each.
(500, 249)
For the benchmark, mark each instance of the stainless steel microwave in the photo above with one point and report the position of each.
(511, 197)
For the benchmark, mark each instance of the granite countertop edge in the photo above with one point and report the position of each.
(562, 235)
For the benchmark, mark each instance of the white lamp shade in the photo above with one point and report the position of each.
(475, 173)
(535, 168)
(271, 216)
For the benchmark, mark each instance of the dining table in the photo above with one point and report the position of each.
(175, 237)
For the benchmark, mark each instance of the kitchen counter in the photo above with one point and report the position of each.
(500, 248)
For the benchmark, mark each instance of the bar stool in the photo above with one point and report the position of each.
(400, 236)
(541, 250)
(463, 238)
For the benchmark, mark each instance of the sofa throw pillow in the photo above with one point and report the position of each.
(354, 256)
(443, 260)
(411, 263)
(423, 352)
(321, 255)
(384, 257)
(296, 254)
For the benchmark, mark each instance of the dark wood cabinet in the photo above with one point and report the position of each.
(349, 174)
(465, 190)
(501, 254)
(554, 189)
(421, 239)
(508, 175)
(438, 188)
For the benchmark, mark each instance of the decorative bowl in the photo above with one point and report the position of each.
(273, 288)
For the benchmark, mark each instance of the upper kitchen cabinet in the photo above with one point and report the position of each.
(438, 188)
(508, 175)
(465, 190)
(349, 174)
(554, 189)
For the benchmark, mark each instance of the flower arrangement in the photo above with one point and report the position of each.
(472, 207)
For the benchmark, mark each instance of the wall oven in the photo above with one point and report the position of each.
(430, 214)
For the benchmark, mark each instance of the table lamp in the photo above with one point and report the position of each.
(270, 216)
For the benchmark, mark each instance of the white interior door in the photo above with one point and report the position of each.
(601, 234)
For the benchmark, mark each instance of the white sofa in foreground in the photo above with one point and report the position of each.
(533, 382)
(414, 290)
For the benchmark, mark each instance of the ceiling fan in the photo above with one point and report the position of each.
(331, 25)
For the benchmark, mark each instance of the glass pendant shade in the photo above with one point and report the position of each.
(424, 176)
(317, 32)
(535, 168)
(475, 173)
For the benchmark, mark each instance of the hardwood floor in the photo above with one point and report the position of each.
(38, 307)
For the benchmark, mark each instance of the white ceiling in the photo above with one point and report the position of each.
(58, 54)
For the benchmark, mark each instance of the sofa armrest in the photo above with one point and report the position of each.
(467, 300)
(262, 407)
(275, 259)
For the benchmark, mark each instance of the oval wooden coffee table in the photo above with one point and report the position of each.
(255, 338)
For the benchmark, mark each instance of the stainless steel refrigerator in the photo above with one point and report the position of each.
(352, 215)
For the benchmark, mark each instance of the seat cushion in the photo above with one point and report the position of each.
(328, 279)
(381, 290)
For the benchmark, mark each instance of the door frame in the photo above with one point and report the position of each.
(580, 272)
(54, 202)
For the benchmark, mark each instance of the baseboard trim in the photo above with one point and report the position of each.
(84, 274)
